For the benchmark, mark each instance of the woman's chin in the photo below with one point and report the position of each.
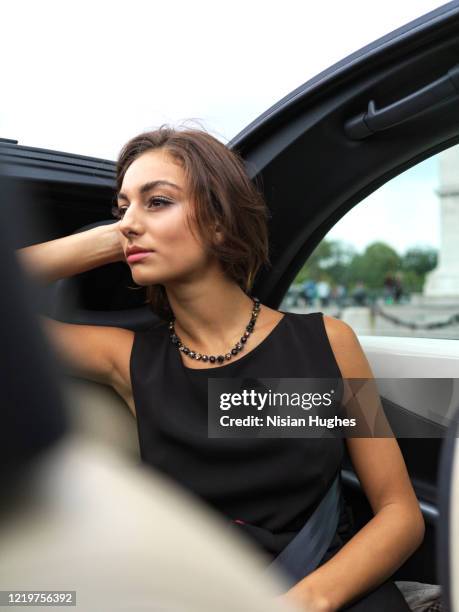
(145, 279)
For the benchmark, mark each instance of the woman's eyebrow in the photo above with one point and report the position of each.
(148, 186)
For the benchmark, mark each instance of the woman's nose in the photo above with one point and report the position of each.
(130, 220)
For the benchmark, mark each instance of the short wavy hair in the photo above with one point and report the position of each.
(222, 195)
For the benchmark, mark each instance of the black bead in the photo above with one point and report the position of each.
(220, 359)
(186, 350)
(238, 346)
(212, 359)
(243, 339)
(174, 339)
(234, 351)
(205, 358)
(228, 356)
(191, 354)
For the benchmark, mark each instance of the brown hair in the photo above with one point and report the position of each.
(222, 195)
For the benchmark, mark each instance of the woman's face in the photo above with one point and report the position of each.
(155, 219)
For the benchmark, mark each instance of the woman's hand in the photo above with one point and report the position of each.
(113, 241)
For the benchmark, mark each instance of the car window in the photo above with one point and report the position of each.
(390, 266)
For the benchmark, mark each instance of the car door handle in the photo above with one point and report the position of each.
(373, 120)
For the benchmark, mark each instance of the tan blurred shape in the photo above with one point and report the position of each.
(125, 538)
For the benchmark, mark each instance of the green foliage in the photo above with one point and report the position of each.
(374, 264)
(339, 263)
(330, 261)
(420, 260)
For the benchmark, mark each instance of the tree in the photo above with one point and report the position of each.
(420, 260)
(339, 263)
(330, 260)
(372, 266)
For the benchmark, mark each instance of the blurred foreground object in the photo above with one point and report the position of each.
(31, 411)
(124, 538)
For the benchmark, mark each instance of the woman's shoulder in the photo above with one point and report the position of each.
(346, 348)
(338, 335)
(336, 327)
(317, 319)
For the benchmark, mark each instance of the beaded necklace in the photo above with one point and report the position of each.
(219, 358)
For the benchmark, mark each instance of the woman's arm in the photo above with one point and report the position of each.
(73, 254)
(396, 530)
(86, 351)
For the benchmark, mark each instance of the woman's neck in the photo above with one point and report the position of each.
(211, 321)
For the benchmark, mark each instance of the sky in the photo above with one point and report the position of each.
(404, 212)
(86, 77)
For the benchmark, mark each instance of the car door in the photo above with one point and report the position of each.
(322, 151)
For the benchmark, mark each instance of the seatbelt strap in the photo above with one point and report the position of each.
(303, 554)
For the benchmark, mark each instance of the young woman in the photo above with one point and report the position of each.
(194, 230)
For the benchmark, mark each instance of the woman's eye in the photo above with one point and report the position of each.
(163, 201)
(155, 202)
(118, 213)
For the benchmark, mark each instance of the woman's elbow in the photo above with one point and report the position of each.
(412, 525)
(418, 527)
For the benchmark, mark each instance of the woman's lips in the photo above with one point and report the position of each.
(138, 256)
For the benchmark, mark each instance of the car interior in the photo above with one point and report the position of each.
(316, 154)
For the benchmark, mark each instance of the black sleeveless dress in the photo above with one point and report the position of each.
(267, 487)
